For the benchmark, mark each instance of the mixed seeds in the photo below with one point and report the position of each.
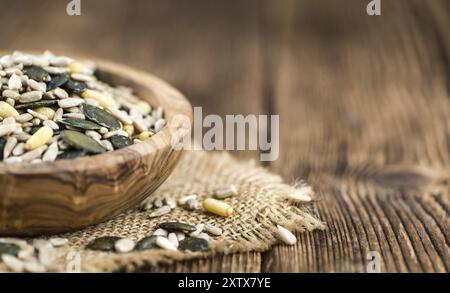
(54, 107)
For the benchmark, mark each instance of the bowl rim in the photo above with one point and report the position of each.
(179, 105)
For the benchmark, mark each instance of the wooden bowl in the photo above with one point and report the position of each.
(71, 194)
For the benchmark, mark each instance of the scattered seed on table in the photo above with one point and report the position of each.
(160, 232)
(124, 245)
(217, 207)
(160, 211)
(194, 244)
(183, 200)
(203, 236)
(11, 143)
(165, 243)
(58, 241)
(191, 204)
(286, 236)
(198, 229)
(301, 195)
(158, 202)
(180, 236)
(223, 193)
(216, 231)
(105, 243)
(177, 227)
(173, 238)
(146, 243)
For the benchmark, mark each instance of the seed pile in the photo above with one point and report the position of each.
(20, 256)
(54, 107)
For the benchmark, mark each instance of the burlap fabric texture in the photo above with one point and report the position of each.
(259, 207)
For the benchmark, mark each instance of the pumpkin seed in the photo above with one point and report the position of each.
(36, 72)
(2, 147)
(75, 87)
(80, 123)
(57, 81)
(194, 244)
(101, 117)
(146, 243)
(38, 104)
(105, 243)
(120, 142)
(177, 227)
(81, 141)
(9, 248)
(72, 154)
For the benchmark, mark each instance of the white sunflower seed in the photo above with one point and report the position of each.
(160, 211)
(29, 97)
(160, 232)
(199, 229)
(226, 192)
(174, 239)
(49, 156)
(286, 236)
(14, 83)
(213, 230)
(37, 86)
(24, 118)
(124, 245)
(165, 243)
(70, 102)
(11, 143)
(13, 263)
(58, 241)
(52, 124)
(183, 200)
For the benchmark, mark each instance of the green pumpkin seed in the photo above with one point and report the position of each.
(146, 243)
(2, 147)
(101, 117)
(72, 154)
(177, 227)
(80, 123)
(193, 244)
(36, 73)
(120, 141)
(75, 87)
(105, 243)
(38, 104)
(57, 81)
(9, 248)
(81, 141)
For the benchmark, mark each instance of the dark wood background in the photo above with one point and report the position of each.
(363, 102)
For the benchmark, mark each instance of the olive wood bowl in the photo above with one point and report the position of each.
(66, 195)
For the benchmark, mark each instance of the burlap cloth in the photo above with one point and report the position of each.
(259, 207)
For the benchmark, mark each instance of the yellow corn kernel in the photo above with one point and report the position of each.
(76, 67)
(145, 135)
(46, 111)
(217, 207)
(143, 107)
(129, 129)
(6, 110)
(40, 138)
(104, 100)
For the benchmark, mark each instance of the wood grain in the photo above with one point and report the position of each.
(66, 195)
(363, 103)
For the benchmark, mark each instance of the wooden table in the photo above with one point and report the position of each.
(364, 105)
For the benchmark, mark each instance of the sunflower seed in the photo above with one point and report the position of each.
(26, 252)
(13, 160)
(177, 227)
(13, 263)
(173, 238)
(194, 244)
(165, 243)
(52, 124)
(159, 125)
(51, 154)
(94, 134)
(70, 102)
(198, 229)
(286, 236)
(121, 115)
(11, 143)
(101, 117)
(223, 193)
(182, 201)
(213, 230)
(34, 154)
(203, 236)
(180, 236)
(160, 211)
(34, 267)
(19, 149)
(105, 243)
(37, 86)
(124, 245)
(60, 93)
(191, 204)
(62, 61)
(160, 232)
(30, 97)
(14, 83)
(74, 115)
(37, 115)
(24, 118)
(56, 70)
(58, 242)
(146, 243)
(7, 129)
(81, 141)
(107, 145)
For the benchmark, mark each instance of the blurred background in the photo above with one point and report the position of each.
(356, 95)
